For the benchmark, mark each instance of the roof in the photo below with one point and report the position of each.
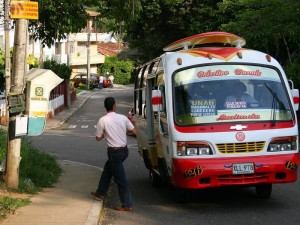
(110, 48)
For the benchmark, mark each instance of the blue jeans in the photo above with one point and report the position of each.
(100, 86)
(114, 168)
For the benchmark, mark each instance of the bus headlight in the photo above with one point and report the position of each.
(280, 147)
(193, 149)
(283, 144)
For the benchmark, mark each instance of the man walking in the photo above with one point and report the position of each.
(101, 78)
(114, 127)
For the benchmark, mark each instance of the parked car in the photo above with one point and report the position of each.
(82, 78)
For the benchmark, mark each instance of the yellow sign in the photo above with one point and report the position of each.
(24, 10)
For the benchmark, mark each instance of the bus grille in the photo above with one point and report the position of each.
(230, 148)
(243, 178)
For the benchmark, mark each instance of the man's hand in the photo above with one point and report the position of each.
(131, 118)
(99, 138)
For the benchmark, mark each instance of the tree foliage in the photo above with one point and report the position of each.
(121, 69)
(57, 18)
(61, 70)
(271, 26)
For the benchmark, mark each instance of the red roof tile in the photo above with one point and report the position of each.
(109, 48)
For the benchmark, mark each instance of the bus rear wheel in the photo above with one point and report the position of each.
(264, 191)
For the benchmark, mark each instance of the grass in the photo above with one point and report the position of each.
(37, 171)
(9, 205)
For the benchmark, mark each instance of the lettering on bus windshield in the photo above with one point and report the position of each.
(205, 107)
(253, 116)
(239, 72)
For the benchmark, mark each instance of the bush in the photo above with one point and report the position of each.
(121, 69)
(61, 70)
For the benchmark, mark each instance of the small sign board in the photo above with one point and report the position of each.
(24, 10)
(16, 103)
(21, 125)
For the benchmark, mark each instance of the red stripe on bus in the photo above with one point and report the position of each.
(226, 127)
(156, 100)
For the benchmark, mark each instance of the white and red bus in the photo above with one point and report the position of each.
(195, 132)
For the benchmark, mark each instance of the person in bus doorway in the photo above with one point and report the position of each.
(114, 127)
(240, 99)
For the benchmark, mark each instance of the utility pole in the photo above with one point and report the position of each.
(7, 65)
(88, 57)
(18, 84)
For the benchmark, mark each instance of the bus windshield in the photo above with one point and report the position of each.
(227, 93)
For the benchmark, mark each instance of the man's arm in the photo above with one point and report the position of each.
(132, 132)
(99, 138)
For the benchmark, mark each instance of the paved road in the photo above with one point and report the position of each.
(227, 206)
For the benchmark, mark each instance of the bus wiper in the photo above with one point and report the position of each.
(274, 105)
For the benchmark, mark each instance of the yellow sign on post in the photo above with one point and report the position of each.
(24, 10)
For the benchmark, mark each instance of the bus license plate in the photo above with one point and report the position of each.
(242, 168)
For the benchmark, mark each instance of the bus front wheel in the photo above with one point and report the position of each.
(154, 178)
(264, 191)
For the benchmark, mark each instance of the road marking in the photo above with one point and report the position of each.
(82, 126)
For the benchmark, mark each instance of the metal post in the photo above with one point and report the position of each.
(88, 58)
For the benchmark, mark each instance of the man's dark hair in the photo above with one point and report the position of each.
(109, 103)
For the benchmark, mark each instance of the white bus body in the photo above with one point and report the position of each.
(192, 136)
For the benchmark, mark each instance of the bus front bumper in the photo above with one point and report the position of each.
(200, 173)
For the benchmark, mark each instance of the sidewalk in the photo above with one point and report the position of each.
(69, 202)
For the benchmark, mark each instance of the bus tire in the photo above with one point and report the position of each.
(264, 191)
(155, 178)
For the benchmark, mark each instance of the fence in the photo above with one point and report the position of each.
(58, 98)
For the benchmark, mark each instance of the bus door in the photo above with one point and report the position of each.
(162, 137)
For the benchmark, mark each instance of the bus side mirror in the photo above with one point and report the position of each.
(295, 93)
(156, 100)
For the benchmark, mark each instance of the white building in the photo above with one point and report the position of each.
(72, 51)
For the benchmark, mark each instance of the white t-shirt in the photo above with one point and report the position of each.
(114, 127)
(101, 79)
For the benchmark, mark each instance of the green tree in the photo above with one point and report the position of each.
(271, 26)
(57, 18)
(156, 23)
(121, 69)
(61, 70)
